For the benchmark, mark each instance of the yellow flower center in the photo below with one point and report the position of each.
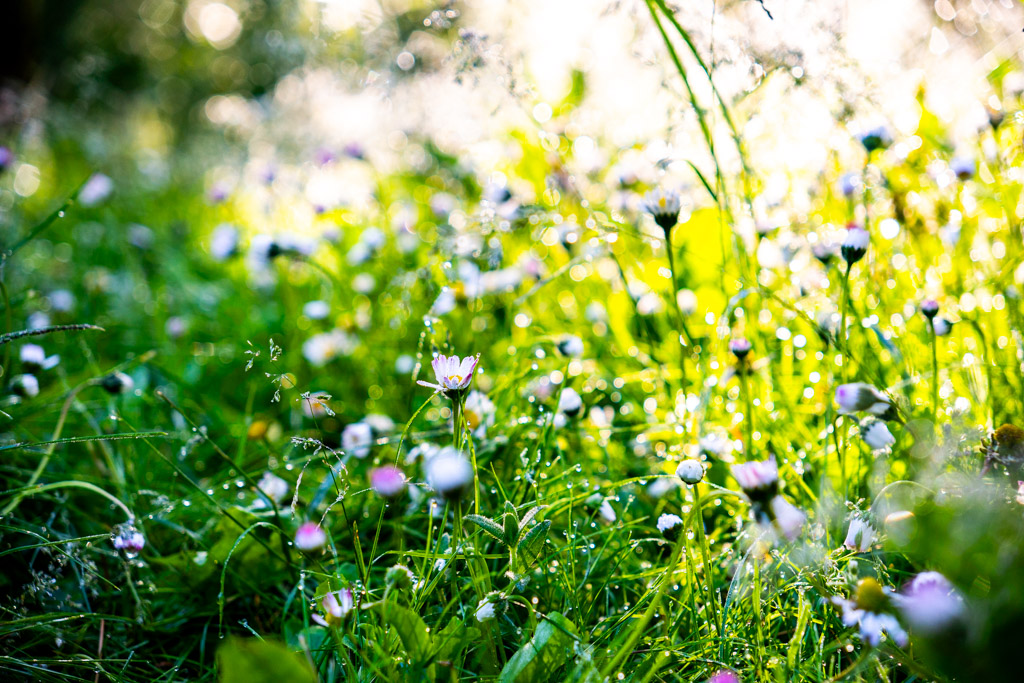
(457, 379)
(661, 202)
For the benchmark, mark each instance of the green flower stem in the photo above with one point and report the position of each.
(842, 442)
(681, 329)
(748, 407)
(935, 374)
(705, 551)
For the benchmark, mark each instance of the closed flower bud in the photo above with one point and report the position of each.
(859, 396)
(855, 244)
(399, 577)
(739, 347)
(876, 434)
(273, 487)
(860, 535)
(310, 537)
(963, 167)
(850, 184)
(490, 607)
(569, 402)
(570, 346)
(930, 308)
(942, 327)
(670, 526)
(129, 539)
(357, 439)
(117, 383)
(449, 474)
(875, 138)
(387, 481)
(788, 517)
(930, 603)
(757, 477)
(26, 386)
(690, 471)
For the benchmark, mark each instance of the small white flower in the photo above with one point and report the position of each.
(444, 303)
(859, 396)
(61, 300)
(97, 188)
(356, 439)
(930, 603)
(320, 349)
(788, 517)
(868, 612)
(387, 481)
(571, 346)
(33, 355)
(26, 386)
(876, 434)
(452, 373)
(569, 402)
(690, 471)
(855, 243)
(479, 413)
(860, 535)
(381, 424)
(117, 383)
(485, 610)
(223, 241)
(757, 475)
(316, 310)
(335, 607)
(449, 473)
(310, 537)
(273, 487)
(607, 512)
(664, 205)
(129, 539)
(669, 525)
(715, 443)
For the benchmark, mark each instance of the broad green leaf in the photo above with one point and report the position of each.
(488, 525)
(451, 640)
(527, 518)
(548, 650)
(410, 628)
(248, 660)
(533, 542)
(511, 536)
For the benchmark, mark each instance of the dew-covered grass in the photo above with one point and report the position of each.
(289, 410)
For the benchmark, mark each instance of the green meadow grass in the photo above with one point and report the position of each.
(549, 564)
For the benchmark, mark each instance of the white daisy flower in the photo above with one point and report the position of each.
(452, 373)
(356, 439)
(868, 611)
(859, 396)
(449, 473)
(876, 435)
(335, 606)
(860, 535)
